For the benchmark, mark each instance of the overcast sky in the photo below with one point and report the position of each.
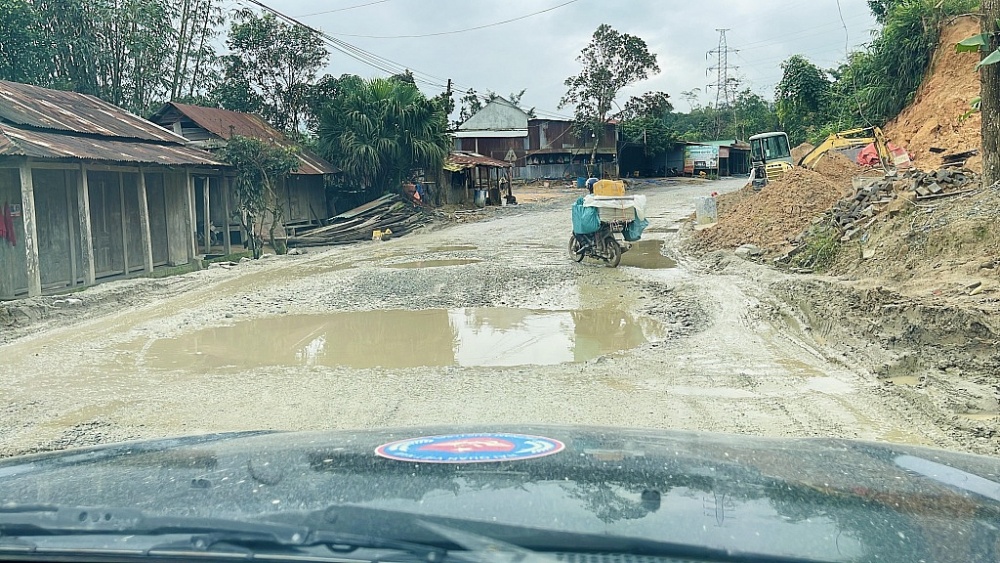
(538, 53)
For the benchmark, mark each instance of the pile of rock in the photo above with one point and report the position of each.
(856, 213)
(946, 181)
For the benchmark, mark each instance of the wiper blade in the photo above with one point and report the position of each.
(482, 549)
(494, 542)
(206, 534)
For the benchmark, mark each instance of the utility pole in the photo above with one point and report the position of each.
(723, 83)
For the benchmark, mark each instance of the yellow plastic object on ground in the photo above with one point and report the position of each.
(609, 188)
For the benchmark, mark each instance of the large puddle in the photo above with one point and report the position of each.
(433, 264)
(402, 339)
(646, 254)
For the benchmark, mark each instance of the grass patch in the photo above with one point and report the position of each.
(819, 250)
(167, 271)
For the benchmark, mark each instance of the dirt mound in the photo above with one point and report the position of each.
(837, 168)
(934, 119)
(800, 151)
(775, 215)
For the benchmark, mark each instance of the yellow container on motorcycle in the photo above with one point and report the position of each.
(609, 188)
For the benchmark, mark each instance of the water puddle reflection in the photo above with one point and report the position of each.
(645, 254)
(453, 248)
(433, 264)
(401, 339)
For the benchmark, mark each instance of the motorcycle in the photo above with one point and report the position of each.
(601, 245)
(604, 226)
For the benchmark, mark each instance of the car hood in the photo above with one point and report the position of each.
(815, 498)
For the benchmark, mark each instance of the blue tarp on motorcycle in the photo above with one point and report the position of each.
(633, 229)
(586, 220)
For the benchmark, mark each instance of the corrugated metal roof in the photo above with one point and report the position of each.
(460, 160)
(225, 124)
(16, 141)
(32, 106)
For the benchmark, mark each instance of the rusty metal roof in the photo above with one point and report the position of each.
(225, 124)
(461, 160)
(17, 141)
(42, 108)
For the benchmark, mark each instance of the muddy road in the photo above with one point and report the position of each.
(480, 322)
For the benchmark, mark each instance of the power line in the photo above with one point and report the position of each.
(380, 63)
(807, 31)
(375, 61)
(439, 33)
(343, 9)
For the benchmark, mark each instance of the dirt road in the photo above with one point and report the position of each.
(480, 322)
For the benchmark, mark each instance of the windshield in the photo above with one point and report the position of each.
(353, 279)
(770, 148)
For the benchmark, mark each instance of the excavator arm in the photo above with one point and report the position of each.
(852, 138)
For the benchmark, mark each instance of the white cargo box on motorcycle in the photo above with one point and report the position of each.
(617, 209)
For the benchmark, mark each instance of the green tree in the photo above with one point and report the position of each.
(136, 39)
(261, 167)
(650, 104)
(611, 61)
(470, 105)
(75, 47)
(23, 55)
(753, 114)
(876, 83)
(271, 69)
(801, 98)
(132, 53)
(381, 131)
(881, 8)
(643, 123)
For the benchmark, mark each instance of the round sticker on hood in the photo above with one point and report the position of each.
(470, 448)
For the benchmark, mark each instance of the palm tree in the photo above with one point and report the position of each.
(377, 131)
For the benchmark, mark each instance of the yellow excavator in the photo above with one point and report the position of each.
(770, 156)
(852, 142)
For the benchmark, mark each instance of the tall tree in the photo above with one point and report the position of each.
(753, 114)
(271, 69)
(990, 91)
(23, 55)
(801, 97)
(76, 47)
(197, 24)
(611, 61)
(381, 131)
(118, 50)
(137, 40)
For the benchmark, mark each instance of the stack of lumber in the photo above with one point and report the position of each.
(358, 224)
